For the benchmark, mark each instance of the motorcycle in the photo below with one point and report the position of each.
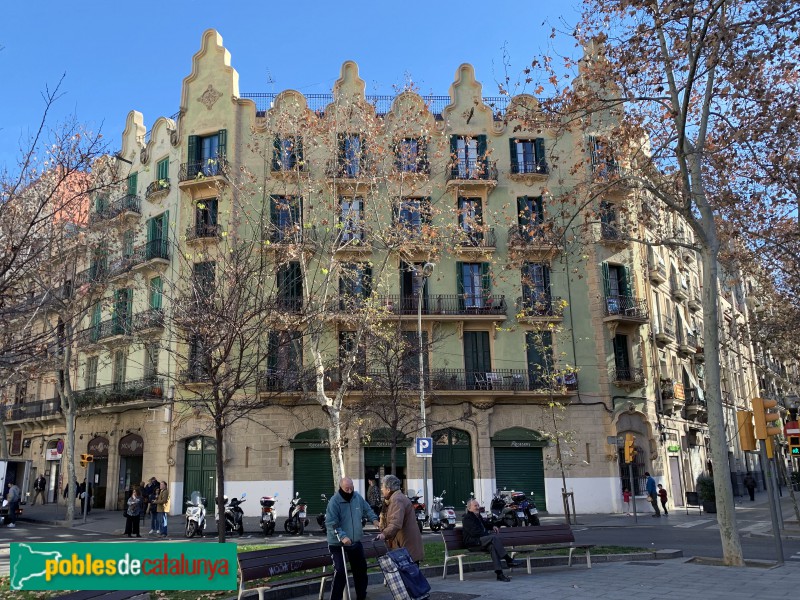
(195, 515)
(233, 515)
(437, 506)
(512, 515)
(419, 511)
(297, 522)
(268, 514)
(526, 508)
(321, 516)
(497, 511)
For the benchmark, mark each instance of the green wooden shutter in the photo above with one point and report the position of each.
(97, 314)
(367, 281)
(133, 184)
(606, 280)
(482, 147)
(486, 279)
(222, 143)
(541, 160)
(276, 154)
(156, 288)
(296, 207)
(460, 278)
(625, 282)
(151, 228)
(512, 143)
(163, 169)
(422, 155)
(193, 149)
(298, 151)
(272, 350)
(454, 147)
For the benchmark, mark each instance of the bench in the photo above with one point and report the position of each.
(527, 540)
(104, 595)
(264, 564)
(517, 540)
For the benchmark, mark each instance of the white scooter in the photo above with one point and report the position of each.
(195, 515)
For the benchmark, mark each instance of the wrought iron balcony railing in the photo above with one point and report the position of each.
(627, 375)
(473, 169)
(148, 319)
(530, 167)
(476, 238)
(113, 328)
(34, 410)
(157, 186)
(200, 169)
(626, 307)
(535, 305)
(152, 250)
(128, 203)
(203, 231)
(534, 234)
(445, 304)
(121, 392)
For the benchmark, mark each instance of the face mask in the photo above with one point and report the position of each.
(345, 495)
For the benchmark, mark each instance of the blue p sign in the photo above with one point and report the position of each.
(424, 446)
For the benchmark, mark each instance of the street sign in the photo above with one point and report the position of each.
(423, 446)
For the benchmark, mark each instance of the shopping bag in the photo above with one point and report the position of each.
(393, 578)
(413, 579)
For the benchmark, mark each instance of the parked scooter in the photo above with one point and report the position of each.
(268, 514)
(297, 522)
(527, 512)
(441, 515)
(234, 522)
(419, 510)
(512, 515)
(497, 510)
(195, 515)
(321, 516)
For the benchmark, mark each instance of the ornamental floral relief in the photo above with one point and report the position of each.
(210, 96)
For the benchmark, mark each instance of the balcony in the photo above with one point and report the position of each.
(286, 380)
(95, 274)
(534, 240)
(625, 309)
(479, 240)
(627, 377)
(475, 173)
(151, 255)
(446, 307)
(203, 175)
(194, 374)
(127, 206)
(148, 321)
(29, 411)
(114, 331)
(695, 300)
(536, 309)
(353, 172)
(157, 189)
(687, 343)
(658, 272)
(529, 170)
(699, 355)
(201, 232)
(611, 235)
(458, 380)
(288, 235)
(679, 289)
(289, 304)
(665, 333)
(121, 396)
(695, 408)
(353, 238)
(119, 266)
(669, 403)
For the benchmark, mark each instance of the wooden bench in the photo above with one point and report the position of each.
(527, 540)
(265, 564)
(517, 540)
(104, 595)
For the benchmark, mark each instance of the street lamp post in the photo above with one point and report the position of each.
(421, 276)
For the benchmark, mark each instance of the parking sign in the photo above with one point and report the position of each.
(424, 447)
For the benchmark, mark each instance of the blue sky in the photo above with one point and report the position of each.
(119, 57)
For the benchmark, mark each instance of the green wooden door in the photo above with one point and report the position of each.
(452, 465)
(313, 475)
(200, 471)
(521, 470)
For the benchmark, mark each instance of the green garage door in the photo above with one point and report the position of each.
(522, 470)
(313, 475)
(200, 471)
(452, 466)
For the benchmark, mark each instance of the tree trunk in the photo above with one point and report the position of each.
(726, 516)
(219, 429)
(337, 454)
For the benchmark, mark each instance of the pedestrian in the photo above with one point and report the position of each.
(750, 484)
(162, 509)
(132, 514)
(626, 498)
(374, 496)
(652, 494)
(13, 497)
(39, 489)
(398, 523)
(476, 536)
(150, 495)
(344, 529)
(85, 494)
(662, 494)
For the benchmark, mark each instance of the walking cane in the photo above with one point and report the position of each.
(344, 563)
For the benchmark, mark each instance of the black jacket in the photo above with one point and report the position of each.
(474, 530)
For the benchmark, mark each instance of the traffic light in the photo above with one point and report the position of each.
(794, 445)
(747, 437)
(86, 459)
(630, 451)
(763, 417)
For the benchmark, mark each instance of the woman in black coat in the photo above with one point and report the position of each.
(133, 513)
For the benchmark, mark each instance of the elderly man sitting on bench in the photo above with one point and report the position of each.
(477, 536)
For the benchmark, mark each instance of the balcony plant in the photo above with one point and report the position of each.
(705, 489)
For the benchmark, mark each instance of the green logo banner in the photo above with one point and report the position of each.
(112, 566)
